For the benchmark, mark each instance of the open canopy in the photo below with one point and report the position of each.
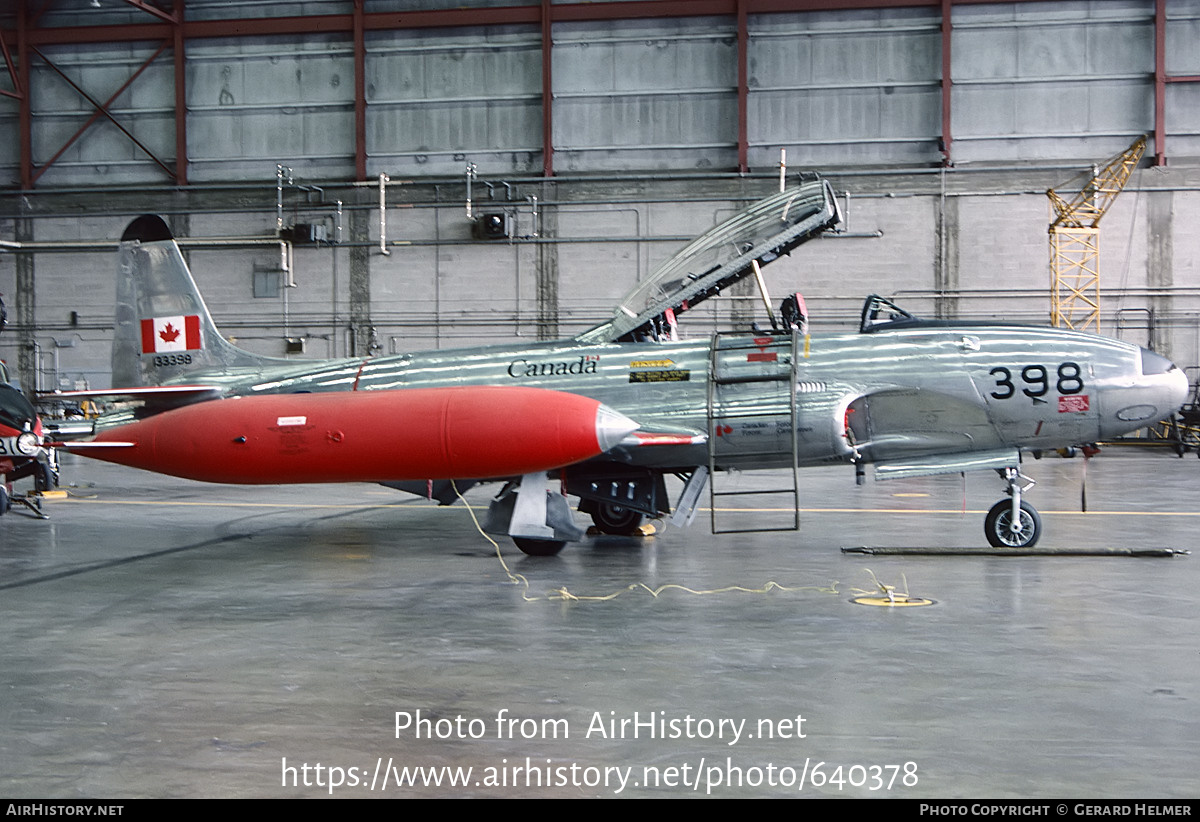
(721, 257)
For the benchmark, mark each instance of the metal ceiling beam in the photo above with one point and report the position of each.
(154, 11)
(531, 15)
(1161, 81)
(101, 110)
(174, 28)
(27, 43)
(17, 92)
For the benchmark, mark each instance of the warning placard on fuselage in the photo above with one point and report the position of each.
(657, 371)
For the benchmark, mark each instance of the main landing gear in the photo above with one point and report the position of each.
(616, 519)
(538, 521)
(1012, 523)
(608, 518)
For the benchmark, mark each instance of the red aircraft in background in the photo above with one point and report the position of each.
(21, 452)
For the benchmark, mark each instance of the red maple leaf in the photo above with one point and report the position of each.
(169, 333)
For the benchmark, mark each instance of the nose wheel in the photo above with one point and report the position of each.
(1013, 523)
(1003, 530)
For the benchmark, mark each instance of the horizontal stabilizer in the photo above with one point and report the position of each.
(84, 446)
(172, 394)
(69, 429)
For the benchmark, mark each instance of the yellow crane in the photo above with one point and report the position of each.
(1075, 240)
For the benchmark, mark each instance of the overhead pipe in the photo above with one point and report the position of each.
(283, 175)
(533, 202)
(471, 174)
(383, 181)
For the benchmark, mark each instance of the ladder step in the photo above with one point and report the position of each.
(752, 493)
(733, 362)
(751, 530)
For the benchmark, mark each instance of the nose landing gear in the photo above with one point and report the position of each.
(1012, 523)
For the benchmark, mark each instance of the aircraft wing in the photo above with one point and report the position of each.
(679, 445)
(661, 445)
(673, 437)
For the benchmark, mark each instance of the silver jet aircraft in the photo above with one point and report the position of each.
(909, 396)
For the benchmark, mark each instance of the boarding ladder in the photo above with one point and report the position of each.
(751, 423)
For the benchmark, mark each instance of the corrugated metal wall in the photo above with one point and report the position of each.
(436, 98)
(852, 88)
(1050, 82)
(249, 104)
(645, 94)
(1041, 82)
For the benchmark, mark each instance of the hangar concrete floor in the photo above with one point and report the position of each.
(164, 638)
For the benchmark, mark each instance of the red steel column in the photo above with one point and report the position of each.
(743, 87)
(947, 84)
(181, 145)
(24, 118)
(1160, 82)
(547, 91)
(360, 94)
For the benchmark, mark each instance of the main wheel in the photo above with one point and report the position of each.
(4, 503)
(615, 519)
(539, 547)
(44, 478)
(998, 526)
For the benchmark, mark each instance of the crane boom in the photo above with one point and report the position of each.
(1088, 205)
(1075, 240)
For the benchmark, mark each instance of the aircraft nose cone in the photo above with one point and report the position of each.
(612, 427)
(1179, 389)
(1172, 378)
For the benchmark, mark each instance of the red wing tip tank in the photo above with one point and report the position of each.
(481, 432)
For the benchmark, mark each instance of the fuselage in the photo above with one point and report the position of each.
(870, 397)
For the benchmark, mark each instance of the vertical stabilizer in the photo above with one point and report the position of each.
(163, 329)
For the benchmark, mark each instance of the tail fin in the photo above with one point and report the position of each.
(163, 329)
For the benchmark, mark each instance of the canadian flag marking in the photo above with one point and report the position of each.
(166, 334)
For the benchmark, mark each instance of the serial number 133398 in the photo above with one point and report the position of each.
(161, 360)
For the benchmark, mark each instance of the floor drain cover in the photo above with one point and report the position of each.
(892, 602)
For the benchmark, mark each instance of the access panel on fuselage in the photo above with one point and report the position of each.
(751, 400)
(1040, 386)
